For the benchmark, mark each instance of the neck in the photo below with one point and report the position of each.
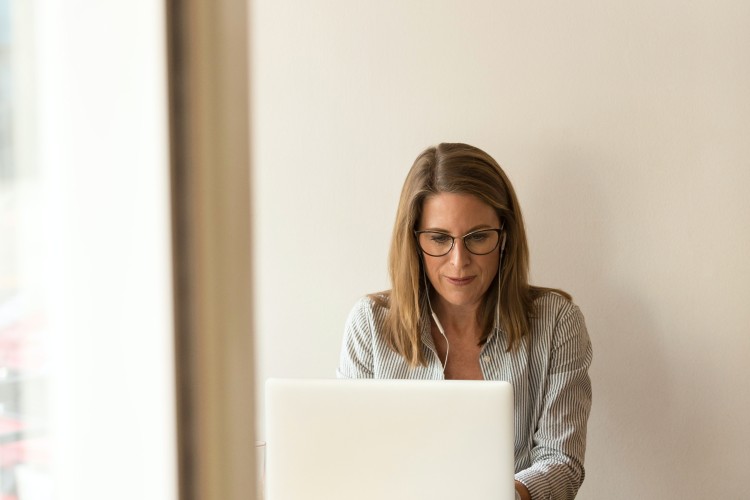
(457, 320)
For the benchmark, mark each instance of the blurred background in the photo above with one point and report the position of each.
(86, 359)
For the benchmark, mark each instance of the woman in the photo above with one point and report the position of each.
(461, 307)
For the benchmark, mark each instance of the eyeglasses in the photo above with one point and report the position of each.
(437, 244)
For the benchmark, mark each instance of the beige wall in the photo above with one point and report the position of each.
(624, 127)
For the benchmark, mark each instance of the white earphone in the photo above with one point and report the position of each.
(434, 316)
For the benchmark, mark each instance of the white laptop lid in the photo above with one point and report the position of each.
(389, 440)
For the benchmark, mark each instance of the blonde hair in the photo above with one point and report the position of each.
(462, 169)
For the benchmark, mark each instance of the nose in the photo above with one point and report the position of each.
(459, 255)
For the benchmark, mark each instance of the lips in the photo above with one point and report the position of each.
(460, 281)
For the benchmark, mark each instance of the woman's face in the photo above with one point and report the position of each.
(460, 278)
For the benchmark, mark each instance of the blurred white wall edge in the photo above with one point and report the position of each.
(102, 149)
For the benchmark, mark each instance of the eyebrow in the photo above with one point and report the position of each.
(478, 227)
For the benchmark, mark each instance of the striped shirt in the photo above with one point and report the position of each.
(548, 371)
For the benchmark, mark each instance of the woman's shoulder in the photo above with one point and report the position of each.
(557, 318)
(553, 303)
(376, 301)
(372, 305)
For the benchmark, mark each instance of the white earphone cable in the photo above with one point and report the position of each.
(434, 317)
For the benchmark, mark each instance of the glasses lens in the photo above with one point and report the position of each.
(482, 242)
(435, 244)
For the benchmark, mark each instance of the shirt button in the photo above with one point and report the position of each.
(486, 358)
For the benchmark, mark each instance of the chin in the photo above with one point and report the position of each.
(462, 300)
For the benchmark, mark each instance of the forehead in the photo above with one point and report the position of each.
(457, 213)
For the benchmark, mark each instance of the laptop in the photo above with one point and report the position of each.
(389, 440)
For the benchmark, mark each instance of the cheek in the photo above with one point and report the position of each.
(490, 267)
(432, 269)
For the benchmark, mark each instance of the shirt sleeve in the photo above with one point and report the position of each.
(356, 360)
(557, 471)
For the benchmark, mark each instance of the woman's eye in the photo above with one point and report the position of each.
(478, 238)
(440, 238)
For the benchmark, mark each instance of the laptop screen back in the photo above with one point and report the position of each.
(389, 440)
